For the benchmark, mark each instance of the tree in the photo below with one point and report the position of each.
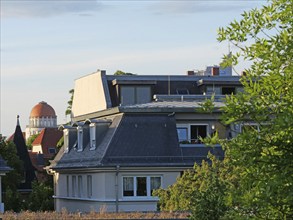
(200, 190)
(256, 173)
(263, 153)
(9, 154)
(31, 140)
(12, 179)
(41, 197)
(69, 107)
(119, 72)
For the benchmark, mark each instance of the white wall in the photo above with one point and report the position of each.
(89, 95)
(104, 192)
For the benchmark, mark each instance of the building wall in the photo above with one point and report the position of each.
(104, 192)
(89, 95)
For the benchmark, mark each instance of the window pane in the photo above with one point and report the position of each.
(128, 189)
(79, 186)
(141, 186)
(155, 183)
(198, 131)
(127, 96)
(67, 186)
(73, 186)
(228, 90)
(143, 94)
(182, 134)
(89, 186)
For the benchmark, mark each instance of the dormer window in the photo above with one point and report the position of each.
(92, 136)
(79, 138)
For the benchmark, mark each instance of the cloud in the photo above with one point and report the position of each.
(48, 8)
(187, 7)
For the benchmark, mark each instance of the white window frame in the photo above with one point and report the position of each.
(79, 138)
(148, 186)
(93, 141)
(188, 126)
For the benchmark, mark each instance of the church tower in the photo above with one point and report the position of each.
(42, 116)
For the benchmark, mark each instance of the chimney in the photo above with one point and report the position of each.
(215, 71)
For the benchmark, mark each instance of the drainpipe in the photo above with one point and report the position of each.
(116, 188)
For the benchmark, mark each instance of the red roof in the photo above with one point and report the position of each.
(48, 138)
(42, 109)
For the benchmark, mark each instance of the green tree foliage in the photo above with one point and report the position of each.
(119, 72)
(31, 140)
(12, 200)
(200, 190)
(9, 154)
(256, 174)
(263, 156)
(69, 107)
(41, 197)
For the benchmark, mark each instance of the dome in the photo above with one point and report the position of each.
(42, 110)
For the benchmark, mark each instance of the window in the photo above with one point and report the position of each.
(155, 183)
(89, 186)
(52, 150)
(191, 133)
(228, 90)
(79, 138)
(140, 186)
(197, 131)
(182, 134)
(67, 186)
(80, 186)
(182, 91)
(92, 136)
(73, 186)
(128, 188)
(130, 95)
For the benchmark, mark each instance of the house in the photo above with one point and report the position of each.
(43, 127)
(133, 134)
(44, 149)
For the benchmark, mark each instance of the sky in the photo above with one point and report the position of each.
(47, 44)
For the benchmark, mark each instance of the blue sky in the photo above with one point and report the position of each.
(46, 45)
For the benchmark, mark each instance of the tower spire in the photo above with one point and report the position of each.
(17, 122)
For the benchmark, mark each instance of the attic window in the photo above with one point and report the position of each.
(182, 91)
(52, 150)
(228, 90)
(191, 133)
(79, 138)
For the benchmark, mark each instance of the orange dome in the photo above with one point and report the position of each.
(43, 110)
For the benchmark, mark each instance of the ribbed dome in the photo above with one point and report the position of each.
(42, 110)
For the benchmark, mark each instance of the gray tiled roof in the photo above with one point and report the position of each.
(137, 140)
